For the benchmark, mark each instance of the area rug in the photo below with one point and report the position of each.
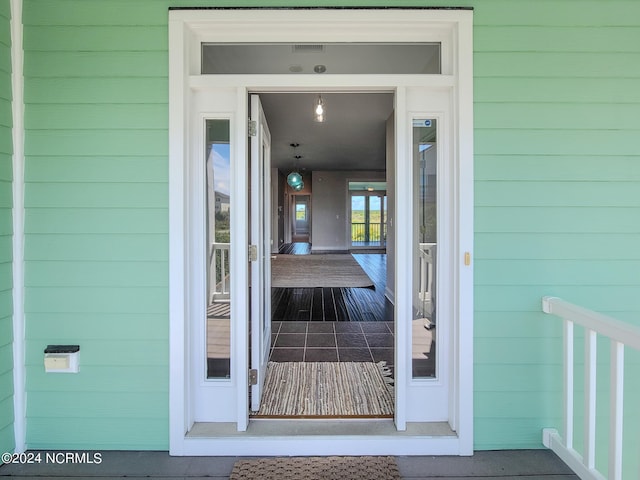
(322, 270)
(317, 468)
(327, 389)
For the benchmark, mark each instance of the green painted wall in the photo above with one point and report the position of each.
(557, 117)
(96, 243)
(6, 229)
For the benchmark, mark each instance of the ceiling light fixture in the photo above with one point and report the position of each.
(294, 179)
(319, 109)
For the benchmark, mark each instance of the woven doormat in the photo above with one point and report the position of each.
(327, 389)
(317, 468)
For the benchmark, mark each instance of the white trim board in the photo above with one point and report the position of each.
(187, 29)
(17, 105)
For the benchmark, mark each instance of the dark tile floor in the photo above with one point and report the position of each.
(332, 342)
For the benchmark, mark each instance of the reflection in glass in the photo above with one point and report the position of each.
(330, 58)
(218, 232)
(424, 248)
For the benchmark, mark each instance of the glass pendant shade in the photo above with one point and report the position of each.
(299, 186)
(294, 179)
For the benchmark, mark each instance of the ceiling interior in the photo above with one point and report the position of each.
(352, 137)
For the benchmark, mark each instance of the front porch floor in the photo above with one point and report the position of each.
(501, 464)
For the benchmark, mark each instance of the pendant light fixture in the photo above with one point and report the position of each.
(294, 179)
(319, 110)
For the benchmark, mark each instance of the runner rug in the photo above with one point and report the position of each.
(317, 468)
(311, 271)
(327, 389)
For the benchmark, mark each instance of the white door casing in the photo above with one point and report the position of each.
(188, 29)
(260, 220)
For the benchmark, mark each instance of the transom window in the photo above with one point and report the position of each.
(318, 58)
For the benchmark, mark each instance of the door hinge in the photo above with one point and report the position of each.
(253, 253)
(253, 128)
(253, 377)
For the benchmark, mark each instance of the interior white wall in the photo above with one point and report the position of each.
(330, 206)
(391, 210)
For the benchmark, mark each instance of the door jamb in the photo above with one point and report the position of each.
(187, 27)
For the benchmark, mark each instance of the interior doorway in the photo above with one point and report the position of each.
(321, 318)
(301, 219)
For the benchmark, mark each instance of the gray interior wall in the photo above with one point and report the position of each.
(391, 203)
(275, 217)
(330, 207)
(281, 207)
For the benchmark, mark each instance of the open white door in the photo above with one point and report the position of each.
(260, 221)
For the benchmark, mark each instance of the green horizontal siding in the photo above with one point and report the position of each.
(151, 433)
(122, 380)
(82, 274)
(102, 326)
(64, 38)
(100, 353)
(121, 299)
(556, 198)
(96, 220)
(87, 220)
(98, 169)
(556, 39)
(7, 439)
(557, 117)
(98, 195)
(557, 91)
(102, 248)
(144, 91)
(558, 168)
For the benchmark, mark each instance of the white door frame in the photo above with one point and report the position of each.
(187, 30)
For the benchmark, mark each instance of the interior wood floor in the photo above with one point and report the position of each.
(343, 324)
(335, 304)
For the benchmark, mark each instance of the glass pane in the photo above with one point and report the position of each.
(375, 220)
(384, 221)
(424, 248)
(352, 58)
(301, 211)
(218, 209)
(358, 220)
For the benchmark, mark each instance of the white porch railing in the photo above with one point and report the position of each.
(427, 253)
(219, 268)
(620, 334)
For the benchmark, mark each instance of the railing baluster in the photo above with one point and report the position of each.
(218, 271)
(590, 357)
(568, 383)
(621, 335)
(223, 269)
(617, 409)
